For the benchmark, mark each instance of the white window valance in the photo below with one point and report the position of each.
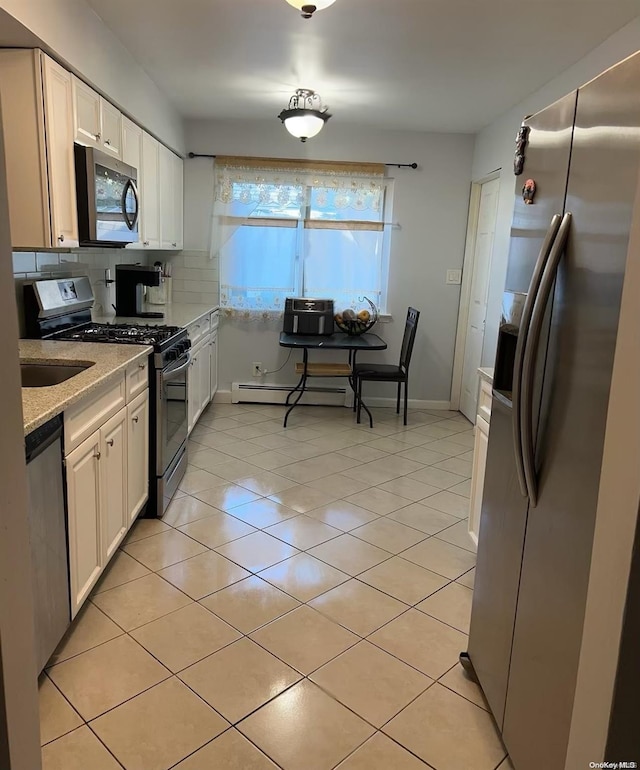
(358, 186)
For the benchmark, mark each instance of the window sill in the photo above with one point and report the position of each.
(385, 318)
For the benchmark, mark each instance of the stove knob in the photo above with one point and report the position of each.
(171, 355)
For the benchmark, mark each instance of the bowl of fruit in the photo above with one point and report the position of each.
(355, 322)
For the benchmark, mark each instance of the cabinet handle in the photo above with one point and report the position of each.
(110, 442)
(145, 243)
(97, 137)
(141, 366)
(107, 141)
(61, 238)
(135, 419)
(97, 455)
(174, 244)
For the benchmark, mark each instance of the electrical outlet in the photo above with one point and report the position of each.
(256, 369)
(454, 277)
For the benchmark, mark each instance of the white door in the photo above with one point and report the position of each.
(58, 106)
(150, 193)
(168, 237)
(86, 112)
(205, 375)
(131, 143)
(111, 129)
(138, 454)
(83, 504)
(178, 203)
(478, 297)
(193, 393)
(113, 483)
(213, 380)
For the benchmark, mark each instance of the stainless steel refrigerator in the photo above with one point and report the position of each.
(568, 257)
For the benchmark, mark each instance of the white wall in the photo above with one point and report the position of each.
(495, 146)
(430, 204)
(79, 39)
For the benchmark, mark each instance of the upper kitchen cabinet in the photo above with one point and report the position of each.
(37, 120)
(97, 122)
(150, 192)
(171, 199)
(131, 143)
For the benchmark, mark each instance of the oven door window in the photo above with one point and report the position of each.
(172, 412)
(116, 206)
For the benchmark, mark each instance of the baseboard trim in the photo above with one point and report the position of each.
(224, 397)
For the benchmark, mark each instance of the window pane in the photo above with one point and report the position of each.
(339, 205)
(343, 265)
(266, 200)
(257, 266)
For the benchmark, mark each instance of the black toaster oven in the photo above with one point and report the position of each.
(308, 316)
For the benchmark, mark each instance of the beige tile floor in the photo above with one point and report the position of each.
(301, 606)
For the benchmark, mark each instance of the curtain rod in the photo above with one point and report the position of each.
(394, 165)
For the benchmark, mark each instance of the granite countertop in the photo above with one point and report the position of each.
(486, 373)
(175, 314)
(41, 404)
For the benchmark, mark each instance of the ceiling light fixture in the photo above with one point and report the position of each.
(308, 9)
(305, 116)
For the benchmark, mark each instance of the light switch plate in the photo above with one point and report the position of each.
(454, 277)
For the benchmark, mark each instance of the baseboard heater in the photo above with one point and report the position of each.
(258, 393)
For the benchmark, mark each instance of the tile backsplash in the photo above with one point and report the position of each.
(195, 273)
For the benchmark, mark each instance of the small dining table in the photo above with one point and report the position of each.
(338, 341)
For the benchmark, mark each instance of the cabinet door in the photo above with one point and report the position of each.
(86, 114)
(150, 192)
(193, 392)
(205, 375)
(113, 483)
(58, 106)
(138, 455)
(178, 202)
(213, 380)
(168, 238)
(131, 144)
(83, 503)
(477, 477)
(110, 129)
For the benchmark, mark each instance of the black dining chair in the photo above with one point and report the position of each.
(388, 372)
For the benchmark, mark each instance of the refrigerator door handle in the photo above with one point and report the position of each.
(525, 323)
(531, 349)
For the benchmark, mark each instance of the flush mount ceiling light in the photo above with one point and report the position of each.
(305, 116)
(308, 9)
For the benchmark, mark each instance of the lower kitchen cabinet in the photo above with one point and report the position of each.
(138, 450)
(199, 381)
(213, 369)
(113, 483)
(107, 478)
(84, 504)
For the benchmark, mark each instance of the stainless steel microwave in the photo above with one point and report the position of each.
(108, 199)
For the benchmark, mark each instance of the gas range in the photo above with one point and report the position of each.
(168, 342)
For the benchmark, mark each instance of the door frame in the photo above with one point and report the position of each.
(465, 289)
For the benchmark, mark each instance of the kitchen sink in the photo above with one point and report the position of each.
(43, 375)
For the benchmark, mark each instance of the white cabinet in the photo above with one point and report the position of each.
(113, 483)
(107, 466)
(150, 192)
(213, 380)
(171, 199)
(110, 129)
(138, 452)
(86, 114)
(58, 106)
(37, 122)
(131, 143)
(83, 503)
(199, 383)
(97, 123)
(481, 444)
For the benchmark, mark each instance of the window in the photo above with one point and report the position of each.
(295, 229)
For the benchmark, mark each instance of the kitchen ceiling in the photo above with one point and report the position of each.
(436, 65)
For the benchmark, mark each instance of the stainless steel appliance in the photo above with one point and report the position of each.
(48, 532)
(129, 282)
(554, 365)
(308, 316)
(107, 197)
(59, 309)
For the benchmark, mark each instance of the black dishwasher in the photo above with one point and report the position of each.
(48, 533)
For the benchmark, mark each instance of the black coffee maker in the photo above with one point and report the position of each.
(129, 292)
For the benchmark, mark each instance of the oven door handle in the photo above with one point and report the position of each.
(168, 374)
